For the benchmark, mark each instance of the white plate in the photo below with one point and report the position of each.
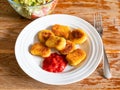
(31, 64)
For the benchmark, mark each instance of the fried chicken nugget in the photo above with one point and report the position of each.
(78, 36)
(70, 46)
(61, 30)
(44, 35)
(75, 57)
(56, 42)
(40, 50)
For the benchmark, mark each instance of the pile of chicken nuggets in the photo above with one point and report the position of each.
(63, 39)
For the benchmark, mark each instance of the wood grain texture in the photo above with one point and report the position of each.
(12, 77)
(11, 24)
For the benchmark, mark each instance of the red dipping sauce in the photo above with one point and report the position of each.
(54, 63)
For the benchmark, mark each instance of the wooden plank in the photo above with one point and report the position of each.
(111, 21)
(11, 76)
(11, 24)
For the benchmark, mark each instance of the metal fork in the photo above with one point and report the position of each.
(98, 26)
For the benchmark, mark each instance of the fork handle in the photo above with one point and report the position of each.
(106, 67)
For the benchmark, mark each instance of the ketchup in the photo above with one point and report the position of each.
(54, 63)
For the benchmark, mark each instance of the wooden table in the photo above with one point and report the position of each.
(11, 24)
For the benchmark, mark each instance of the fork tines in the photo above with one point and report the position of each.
(98, 22)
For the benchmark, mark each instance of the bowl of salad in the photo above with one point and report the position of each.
(33, 9)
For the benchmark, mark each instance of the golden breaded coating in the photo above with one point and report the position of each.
(61, 30)
(40, 50)
(78, 36)
(70, 46)
(56, 42)
(75, 57)
(50, 42)
(44, 35)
